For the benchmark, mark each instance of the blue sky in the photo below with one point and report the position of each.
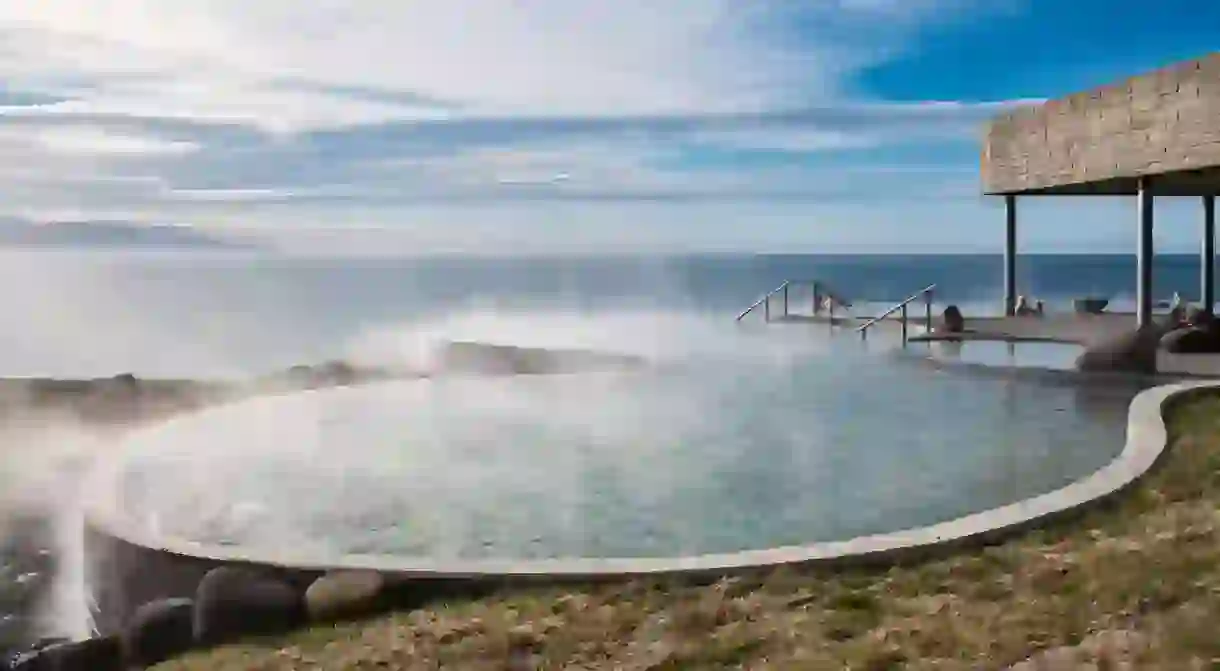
(496, 126)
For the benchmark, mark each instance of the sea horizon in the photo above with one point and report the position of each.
(188, 313)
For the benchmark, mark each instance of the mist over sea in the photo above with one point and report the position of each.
(98, 313)
(231, 315)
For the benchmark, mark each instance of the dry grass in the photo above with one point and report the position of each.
(1136, 585)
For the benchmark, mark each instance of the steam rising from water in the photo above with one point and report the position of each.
(735, 440)
(741, 437)
(656, 335)
(40, 468)
(44, 458)
(99, 316)
(455, 467)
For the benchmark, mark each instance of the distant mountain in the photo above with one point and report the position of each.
(108, 234)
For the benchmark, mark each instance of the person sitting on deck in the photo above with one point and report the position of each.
(1180, 315)
(951, 321)
(1023, 308)
(830, 302)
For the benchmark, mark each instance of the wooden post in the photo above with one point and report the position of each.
(1207, 259)
(1010, 255)
(1143, 259)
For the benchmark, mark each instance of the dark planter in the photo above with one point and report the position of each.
(1090, 305)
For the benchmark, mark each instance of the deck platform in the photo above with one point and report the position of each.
(1073, 328)
(1082, 329)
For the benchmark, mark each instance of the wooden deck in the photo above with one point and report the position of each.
(1081, 329)
(1067, 327)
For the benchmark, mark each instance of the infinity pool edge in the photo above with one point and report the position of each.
(129, 566)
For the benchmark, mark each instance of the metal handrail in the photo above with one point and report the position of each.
(820, 290)
(764, 299)
(926, 293)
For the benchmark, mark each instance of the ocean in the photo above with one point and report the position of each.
(207, 314)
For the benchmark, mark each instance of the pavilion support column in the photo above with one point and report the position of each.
(1143, 286)
(1207, 258)
(1010, 255)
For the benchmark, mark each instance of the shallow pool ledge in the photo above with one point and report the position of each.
(129, 567)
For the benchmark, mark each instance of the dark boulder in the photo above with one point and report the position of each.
(125, 383)
(232, 602)
(1131, 352)
(1090, 305)
(488, 359)
(484, 359)
(336, 373)
(14, 641)
(94, 654)
(343, 594)
(15, 635)
(159, 630)
(26, 660)
(1192, 340)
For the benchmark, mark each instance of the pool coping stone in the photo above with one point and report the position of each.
(1146, 442)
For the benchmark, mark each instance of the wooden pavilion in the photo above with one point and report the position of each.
(1157, 134)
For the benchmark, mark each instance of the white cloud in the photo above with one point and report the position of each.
(231, 111)
(223, 100)
(379, 59)
(213, 57)
(95, 140)
(805, 140)
(227, 195)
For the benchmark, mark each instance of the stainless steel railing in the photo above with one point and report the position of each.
(926, 293)
(820, 291)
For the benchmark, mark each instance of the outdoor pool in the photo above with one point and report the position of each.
(803, 440)
(1024, 354)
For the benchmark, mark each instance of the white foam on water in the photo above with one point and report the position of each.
(43, 460)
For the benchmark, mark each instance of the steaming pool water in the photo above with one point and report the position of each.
(1042, 355)
(707, 452)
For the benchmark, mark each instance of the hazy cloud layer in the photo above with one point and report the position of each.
(279, 115)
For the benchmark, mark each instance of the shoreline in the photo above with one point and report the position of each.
(124, 398)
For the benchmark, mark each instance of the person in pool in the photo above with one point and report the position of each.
(951, 321)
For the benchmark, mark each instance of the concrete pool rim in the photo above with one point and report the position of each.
(1146, 442)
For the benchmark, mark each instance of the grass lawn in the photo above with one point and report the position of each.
(1137, 582)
